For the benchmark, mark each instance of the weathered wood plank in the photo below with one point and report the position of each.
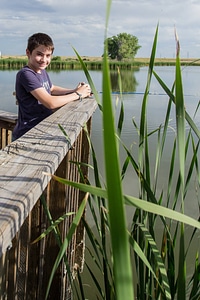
(8, 116)
(23, 162)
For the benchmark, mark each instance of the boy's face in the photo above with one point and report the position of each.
(40, 58)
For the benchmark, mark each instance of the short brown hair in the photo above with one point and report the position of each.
(40, 39)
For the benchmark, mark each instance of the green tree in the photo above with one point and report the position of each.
(122, 46)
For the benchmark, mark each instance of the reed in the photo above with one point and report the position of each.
(60, 63)
(134, 263)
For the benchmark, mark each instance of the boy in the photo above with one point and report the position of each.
(36, 95)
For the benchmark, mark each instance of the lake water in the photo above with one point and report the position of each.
(134, 83)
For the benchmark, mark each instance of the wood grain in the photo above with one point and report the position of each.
(24, 161)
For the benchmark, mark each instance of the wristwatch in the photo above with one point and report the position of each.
(80, 96)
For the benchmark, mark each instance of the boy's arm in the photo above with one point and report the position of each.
(56, 101)
(58, 90)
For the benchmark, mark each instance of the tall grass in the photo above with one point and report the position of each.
(133, 263)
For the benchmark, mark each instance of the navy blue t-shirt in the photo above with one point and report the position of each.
(30, 111)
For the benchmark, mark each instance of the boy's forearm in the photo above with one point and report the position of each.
(57, 91)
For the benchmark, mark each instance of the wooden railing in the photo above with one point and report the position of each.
(25, 267)
(7, 123)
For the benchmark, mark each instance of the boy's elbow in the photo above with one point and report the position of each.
(51, 106)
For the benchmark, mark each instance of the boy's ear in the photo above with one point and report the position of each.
(28, 52)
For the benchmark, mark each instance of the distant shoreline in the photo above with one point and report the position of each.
(99, 58)
(93, 63)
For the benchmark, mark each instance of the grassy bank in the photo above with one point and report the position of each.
(92, 63)
(99, 58)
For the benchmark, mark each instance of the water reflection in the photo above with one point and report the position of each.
(128, 80)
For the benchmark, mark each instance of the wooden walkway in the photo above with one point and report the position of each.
(22, 166)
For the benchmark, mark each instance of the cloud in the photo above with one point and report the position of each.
(81, 24)
(25, 6)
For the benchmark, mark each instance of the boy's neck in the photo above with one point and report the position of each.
(32, 68)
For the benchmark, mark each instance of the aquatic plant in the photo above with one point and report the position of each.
(135, 263)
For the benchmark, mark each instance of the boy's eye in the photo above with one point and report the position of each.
(42, 55)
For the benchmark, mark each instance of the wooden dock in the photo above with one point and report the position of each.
(26, 267)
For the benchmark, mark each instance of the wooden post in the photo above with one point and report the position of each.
(7, 124)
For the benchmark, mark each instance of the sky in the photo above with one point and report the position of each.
(81, 25)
